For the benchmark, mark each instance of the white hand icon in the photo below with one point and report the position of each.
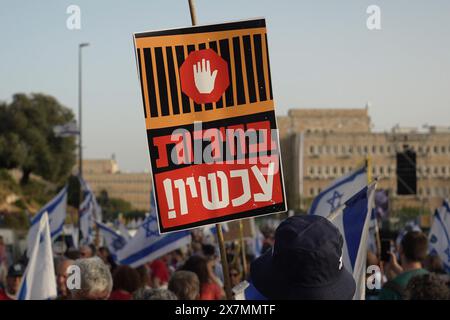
(204, 79)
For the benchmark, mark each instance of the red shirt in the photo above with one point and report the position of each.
(4, 296)
(160, 270)
(211, 291)
(120, 295)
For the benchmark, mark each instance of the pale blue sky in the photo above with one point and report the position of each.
(322, 56)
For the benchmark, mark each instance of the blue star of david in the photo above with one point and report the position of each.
(332, 201)
(151, 229)
(447, 252)
(118, 243)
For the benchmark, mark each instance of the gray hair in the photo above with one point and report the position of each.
(185, 285)
(154, 294)
(95, 276)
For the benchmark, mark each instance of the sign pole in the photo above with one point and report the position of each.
(243, 251)
(223, 254)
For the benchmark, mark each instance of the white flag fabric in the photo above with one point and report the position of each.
(439, 237)
(124, 231)
(114, 241)
(56, 210)
(352, 219)
(66, 130)
(338, 192)
(147, 244)
(373, 230)
(39, 281)
(87, 219)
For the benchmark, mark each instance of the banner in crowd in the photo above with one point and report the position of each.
(56, 210)
(211, 124)
(39, 281)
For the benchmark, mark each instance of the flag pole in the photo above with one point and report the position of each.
(243, 251)
(223, 254)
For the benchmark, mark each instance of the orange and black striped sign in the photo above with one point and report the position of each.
(195, 185)
(160, 54)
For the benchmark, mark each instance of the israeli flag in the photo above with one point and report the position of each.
(147, 244)
(339, 192)
(114, 241)
(87, 219)
(56, 210)
(38, 281)
(247, 291)
(373, 230)
(439, 237)
(352, 219)
(124, 231)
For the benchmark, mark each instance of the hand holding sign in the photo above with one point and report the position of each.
(204, 79)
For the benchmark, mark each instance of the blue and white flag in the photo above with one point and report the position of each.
(338, 192)
(439, 237)
(352, 219)
(124, 231)
(56, 210)
(38, 281)
(68, 129)
(373, 231)
(147, 244)
(87, 219)
(114, 241)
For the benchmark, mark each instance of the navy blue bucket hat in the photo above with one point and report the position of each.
(305, 263)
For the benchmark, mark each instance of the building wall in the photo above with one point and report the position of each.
(132, 187)
(330, 152)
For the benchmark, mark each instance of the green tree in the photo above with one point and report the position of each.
(27, 140)
(111, 207)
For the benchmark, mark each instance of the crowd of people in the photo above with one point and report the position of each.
(301, 259)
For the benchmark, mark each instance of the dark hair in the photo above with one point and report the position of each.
(427, 287)
(433, 263)
(208, 250)
(126, 278)
(185, 285)
(143, 275)
(197, 265)
(105, 249)
(415, 246)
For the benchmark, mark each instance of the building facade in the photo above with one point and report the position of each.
(104, 174)
(320, 145)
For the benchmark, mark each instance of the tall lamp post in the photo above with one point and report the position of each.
(80, 139)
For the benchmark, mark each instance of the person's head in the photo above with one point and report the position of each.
(73, 253)
(144, 275)
(13, 278)
(306, 262)
(427, 287)
(199, 266)
(413, 247)
(61, 267)
(103, 253)
(185, 285)
(86, 252)
(433, 263)
(96, 280)
(126, 278)
(235, 275)
(154, 294)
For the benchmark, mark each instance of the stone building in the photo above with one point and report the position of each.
(319, 145)
(104, 174)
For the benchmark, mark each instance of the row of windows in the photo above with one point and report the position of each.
(315, 150)
(336, 171)
(442, 192)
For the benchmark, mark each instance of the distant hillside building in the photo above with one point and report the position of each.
(104, 174)
(335, 141)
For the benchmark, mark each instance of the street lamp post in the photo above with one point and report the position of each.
(80, 139)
